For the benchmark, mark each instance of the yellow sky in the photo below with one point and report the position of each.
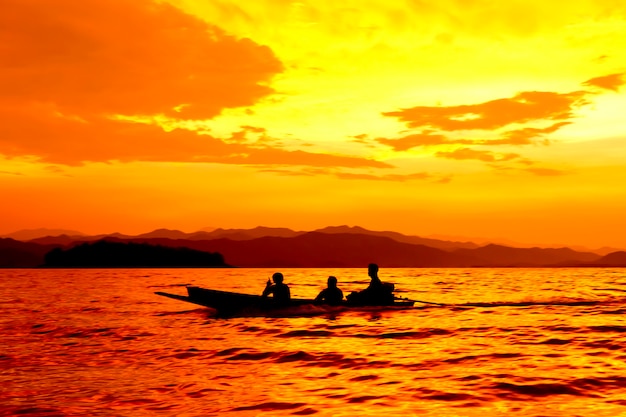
(465, 118)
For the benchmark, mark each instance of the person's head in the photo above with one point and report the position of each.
(372, 270)
(332, 282)
(277, 278)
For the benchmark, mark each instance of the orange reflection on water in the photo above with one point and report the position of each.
(99, 342)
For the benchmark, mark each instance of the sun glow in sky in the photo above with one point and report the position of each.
(463, 118)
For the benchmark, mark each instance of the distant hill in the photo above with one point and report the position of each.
(433, 243)
(497, 255)
(315, 249)
(259, 232)
(18, 254)
(612, 259)
(481, 241)
(247, 234)
(449, 243)
(62, 240)
(605, 250)
(29, 234)
(167, 233)
(106, 254)
(65, 240)
(337, 246)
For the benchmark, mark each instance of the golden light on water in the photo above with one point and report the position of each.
(506, 341)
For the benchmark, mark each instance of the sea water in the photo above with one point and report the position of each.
(527, 342)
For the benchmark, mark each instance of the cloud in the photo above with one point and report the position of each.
(121, 57)
(495, 160)
(545, 172)
(358, 176)
(362, 139)
(269, 156)
(70, 67)
(103, 140)
(522, 108)
(411, 141)
(516, 121)
(388, 177)
(485, 156)
(538, 171)
(525, 135)
(609, 82)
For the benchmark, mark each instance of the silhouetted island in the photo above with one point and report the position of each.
(105, 254)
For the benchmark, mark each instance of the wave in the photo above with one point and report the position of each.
(609, 289)
(436, 395)
(572, 303)
(535, 390)
(168, 286)
(312, 310)
(588, 387)
(202, 311)
(269, 406)
(548, 302)
(37, 411)
(317, 360)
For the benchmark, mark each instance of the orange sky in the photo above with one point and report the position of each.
(479, 119)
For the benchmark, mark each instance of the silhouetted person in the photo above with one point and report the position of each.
(375, 284)
(330, 295)
(280, 292)
(377, 293)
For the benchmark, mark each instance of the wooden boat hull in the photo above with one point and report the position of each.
(230, 303)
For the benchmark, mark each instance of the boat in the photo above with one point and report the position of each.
(228, 304)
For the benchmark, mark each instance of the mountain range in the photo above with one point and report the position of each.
(337, 246)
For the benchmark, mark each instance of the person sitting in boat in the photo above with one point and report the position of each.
(375, 283)
(330, 295)
(279, 290)
(377, 293)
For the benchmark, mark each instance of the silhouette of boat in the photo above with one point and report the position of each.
(232, 303)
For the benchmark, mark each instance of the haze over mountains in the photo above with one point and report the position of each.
(336, 246)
